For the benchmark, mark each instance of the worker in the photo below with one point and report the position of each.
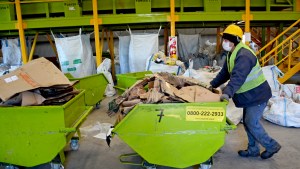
(249, 90)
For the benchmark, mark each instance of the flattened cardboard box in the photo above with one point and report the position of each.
(37, 73)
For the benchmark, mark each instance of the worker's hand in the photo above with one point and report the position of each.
(210, 88)
(224, 97)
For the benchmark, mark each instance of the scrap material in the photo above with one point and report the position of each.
(161, 88)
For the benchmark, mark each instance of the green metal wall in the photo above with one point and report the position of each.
(70, 13)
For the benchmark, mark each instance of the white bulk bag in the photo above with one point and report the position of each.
(283, 111)
(124, 42)
(272, 73)
(11, 51)
(141, 47)
(291, 91)
(75, 55)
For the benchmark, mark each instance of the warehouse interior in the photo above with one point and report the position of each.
(55, 114)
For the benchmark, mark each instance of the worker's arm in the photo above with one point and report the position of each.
(222, 77)
(244, 63)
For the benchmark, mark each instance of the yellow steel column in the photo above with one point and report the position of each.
(21, 31)
(33, 46)
(172, 8)
(96, 30)
(247, 17)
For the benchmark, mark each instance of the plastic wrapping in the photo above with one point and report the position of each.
(104, 68)
(188, 44)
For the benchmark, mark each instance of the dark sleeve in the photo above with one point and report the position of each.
(222, 76)
(244, 62)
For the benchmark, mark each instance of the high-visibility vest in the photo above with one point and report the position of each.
(254, 78)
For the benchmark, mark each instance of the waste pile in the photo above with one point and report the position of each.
(159, 62)
(161, 88)
(39, 82)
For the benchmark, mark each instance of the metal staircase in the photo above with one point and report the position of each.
(286, 52)
(256, 36)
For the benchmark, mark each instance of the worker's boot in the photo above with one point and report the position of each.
(246, 153)
(268, 154)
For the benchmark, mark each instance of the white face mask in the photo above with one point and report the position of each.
(226, 46)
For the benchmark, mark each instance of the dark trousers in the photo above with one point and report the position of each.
(255, 131)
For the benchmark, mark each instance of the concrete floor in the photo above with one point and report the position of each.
(95, 154)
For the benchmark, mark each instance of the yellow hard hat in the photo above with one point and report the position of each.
(234, 30)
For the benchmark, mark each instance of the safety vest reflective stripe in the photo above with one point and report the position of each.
(254, 78)
(255, 73)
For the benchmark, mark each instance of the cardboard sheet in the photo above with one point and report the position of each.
(37, 73)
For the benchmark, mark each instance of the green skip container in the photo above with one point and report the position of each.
(93, 85)
(120, 90)
(175, 135)
(126, 80)
(34, 135)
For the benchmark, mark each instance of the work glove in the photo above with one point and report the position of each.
(224, 97)
(222, 87)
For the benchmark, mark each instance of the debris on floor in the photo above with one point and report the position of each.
(98, 130)
(161, 88)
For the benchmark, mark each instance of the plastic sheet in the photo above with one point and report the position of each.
(98, 130)
(188, 44)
